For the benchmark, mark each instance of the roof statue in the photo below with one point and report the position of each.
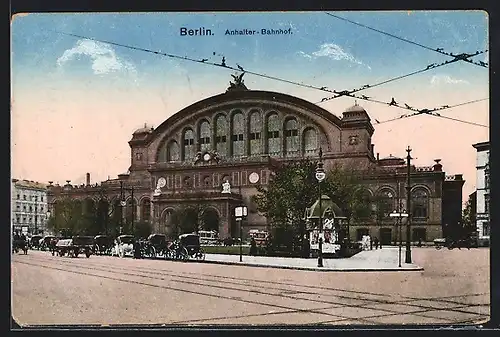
(237, 84)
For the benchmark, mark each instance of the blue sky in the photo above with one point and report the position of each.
(60, 81)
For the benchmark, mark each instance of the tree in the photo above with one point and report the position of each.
(293, 188)
(67, 217)
(469, 217)
(345, 188)
(285, 200)
(142, 229)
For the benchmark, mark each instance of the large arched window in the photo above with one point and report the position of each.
(255, 133)
(146, 210)
(221, 135)
(385, 203)
(291, 138)
(173, 153)
(420, 203)
(366, 208)
(204, 139)
(273, 134)
(237, 135)
(189, 147)
(310, 142)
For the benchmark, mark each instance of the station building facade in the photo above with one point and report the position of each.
(239, 137)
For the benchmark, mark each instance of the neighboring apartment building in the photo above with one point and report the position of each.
(29, 206)
(483, 190)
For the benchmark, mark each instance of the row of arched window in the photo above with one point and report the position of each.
(235, 138)
(385, 202)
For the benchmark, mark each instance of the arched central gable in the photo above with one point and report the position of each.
(319, 120)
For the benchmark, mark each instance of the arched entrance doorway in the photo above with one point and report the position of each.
(210, 219)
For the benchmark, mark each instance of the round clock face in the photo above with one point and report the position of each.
(162, 182)
(254, 177)
(206, 157)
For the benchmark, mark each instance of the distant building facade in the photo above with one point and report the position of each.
(29, 206)
(239, 137)
(483, 189)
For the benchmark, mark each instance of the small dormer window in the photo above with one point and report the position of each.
(138, 156)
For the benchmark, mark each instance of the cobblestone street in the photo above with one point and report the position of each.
(453, 288)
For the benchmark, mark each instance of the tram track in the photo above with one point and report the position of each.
(236, 284)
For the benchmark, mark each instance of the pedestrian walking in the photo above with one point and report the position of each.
(253, 247)
(375, 241)
(371, 242)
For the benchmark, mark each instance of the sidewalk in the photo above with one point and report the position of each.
(385, 259)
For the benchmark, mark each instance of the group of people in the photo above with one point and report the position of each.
(19, 241)
(18, 236)
(369, 243)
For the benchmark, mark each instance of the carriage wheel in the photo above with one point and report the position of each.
(200, 255)
(184, 255)
(170, 254)
(438, 247)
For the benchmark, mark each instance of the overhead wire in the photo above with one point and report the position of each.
(437, 50)
(240, 69)
(204, 61)
(369, 86)
(432, 112)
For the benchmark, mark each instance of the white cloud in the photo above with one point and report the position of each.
(437, 79)
(334, 52)
(104, 58)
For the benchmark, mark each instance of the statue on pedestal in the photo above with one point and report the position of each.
(226, 187)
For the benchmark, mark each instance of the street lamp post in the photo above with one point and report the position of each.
(320, 176)
(124, 204)
(36, 219)
(408, 207)
(240, 212)
(47, 214)
(397, 214)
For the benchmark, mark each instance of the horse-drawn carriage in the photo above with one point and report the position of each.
(74, 246)
(190, 245)
(124, 245)
(102, 245)
(34, 242)
(46, 242)
(156, 246)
